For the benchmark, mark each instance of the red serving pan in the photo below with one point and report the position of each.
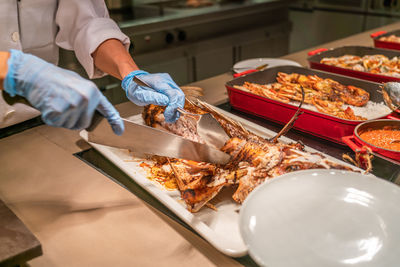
(312, 122)
(315, 57)
(356, 143)
(385, 44)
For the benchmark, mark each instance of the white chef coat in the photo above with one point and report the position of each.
(39, 27)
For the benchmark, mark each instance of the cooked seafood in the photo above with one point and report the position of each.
(327, 95)
(253, 158)
(377, 64)
(391, 38)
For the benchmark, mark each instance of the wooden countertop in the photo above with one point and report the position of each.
(17, 244)
(84, 219)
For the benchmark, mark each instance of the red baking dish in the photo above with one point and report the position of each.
(385, 44)
(312, 122)
(356, 143)
(316, 56)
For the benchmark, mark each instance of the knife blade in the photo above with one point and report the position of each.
(145, 139)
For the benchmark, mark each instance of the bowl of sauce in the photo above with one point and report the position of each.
(382, 136)
(388, 137)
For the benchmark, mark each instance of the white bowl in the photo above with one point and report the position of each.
(256, 62)
(323, 218)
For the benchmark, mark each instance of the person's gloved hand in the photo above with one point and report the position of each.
(64, 98)
(166, 93)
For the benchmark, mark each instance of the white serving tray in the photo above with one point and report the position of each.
(220, 228)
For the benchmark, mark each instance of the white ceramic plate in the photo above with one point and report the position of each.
(323, 218)
(255, 62)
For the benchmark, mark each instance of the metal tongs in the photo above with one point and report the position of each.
(391, 95)
(209, 129)
(291, 122)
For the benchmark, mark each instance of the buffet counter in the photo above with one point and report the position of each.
(82, 218)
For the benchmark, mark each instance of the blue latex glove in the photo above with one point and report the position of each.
(64, 98)
(166, 93)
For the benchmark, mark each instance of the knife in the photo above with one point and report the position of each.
(145, 139)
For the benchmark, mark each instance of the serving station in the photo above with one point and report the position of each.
(86, 211)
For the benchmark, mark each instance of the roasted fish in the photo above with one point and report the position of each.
(253, 158)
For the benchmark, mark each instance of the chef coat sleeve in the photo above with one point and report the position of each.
(83, 26)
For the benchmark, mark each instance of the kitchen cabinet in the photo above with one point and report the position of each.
(212, 62)
(320, 26)
(320, 21)
(374, 21)
(197, 60)
(331, 25)
(264, 44)
(175, 61)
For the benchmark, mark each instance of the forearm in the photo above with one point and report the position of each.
(112, 58)
(3, 67)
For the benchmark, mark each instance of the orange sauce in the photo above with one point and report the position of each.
(144, 164)
(383, 137)
(157, 174)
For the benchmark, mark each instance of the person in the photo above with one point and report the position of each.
(31, 34)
